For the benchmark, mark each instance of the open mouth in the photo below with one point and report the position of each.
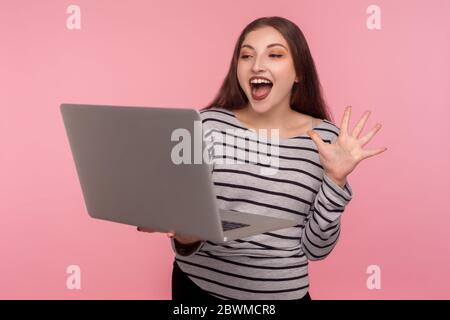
(261, 90)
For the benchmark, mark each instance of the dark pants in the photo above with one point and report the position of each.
(184, 289)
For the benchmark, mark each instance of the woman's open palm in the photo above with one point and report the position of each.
(341, 157)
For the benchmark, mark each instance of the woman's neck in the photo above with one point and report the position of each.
(274, 118)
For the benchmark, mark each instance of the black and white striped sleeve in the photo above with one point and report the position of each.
(322, 227)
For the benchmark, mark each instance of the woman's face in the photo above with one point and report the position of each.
(264, 52)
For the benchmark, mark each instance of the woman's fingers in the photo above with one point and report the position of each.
(373, 152)
(345, 120)
(360, 125)
(365, 139)
(170, 234)
(316, 138)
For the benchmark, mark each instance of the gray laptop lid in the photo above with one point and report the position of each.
(123, 160)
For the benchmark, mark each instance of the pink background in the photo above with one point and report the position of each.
(175, 54)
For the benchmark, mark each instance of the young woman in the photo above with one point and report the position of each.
(272, 83)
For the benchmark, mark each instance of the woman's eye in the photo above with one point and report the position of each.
(245, 56)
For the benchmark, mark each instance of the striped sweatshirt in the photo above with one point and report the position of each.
(272, 265)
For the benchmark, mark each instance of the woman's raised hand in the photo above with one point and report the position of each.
(341, 157)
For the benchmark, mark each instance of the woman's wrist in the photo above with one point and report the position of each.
(340, 181)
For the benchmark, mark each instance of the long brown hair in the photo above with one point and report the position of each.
(306, 95)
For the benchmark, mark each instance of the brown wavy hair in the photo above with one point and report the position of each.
(306, 95)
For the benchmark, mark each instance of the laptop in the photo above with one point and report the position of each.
(124, 160)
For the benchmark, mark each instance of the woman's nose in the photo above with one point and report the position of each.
(258, 65)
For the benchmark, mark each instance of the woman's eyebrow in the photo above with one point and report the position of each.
(269, 46)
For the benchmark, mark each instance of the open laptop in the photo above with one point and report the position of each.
(123, 157)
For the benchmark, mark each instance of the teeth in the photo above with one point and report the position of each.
(260, 81)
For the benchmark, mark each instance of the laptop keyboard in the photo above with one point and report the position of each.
(228, 225)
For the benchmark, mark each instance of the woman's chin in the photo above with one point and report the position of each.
(260, 106)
